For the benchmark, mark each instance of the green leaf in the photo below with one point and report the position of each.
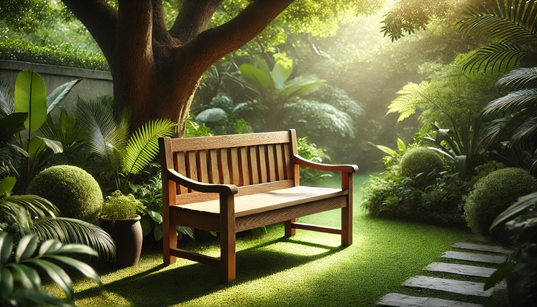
(523, 203)
(55, 146)
(11, 124)
(211, 115)
(25, 248)
(401, 146)
(6, 247)
(58, 275)
(31, 97)
(6, 283)
(499, 275)
(85, 269)
(59, 94)
(387, 150)
(280, 74)
(302, 88)
(77, 248)
(157, 217)
(32, 275)
(23, 278)
(158, 232)
(256, 77)
(49, 247)
(6, 185)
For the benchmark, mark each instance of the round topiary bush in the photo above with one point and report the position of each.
(494, 193)
(73, 190)
(420, 160)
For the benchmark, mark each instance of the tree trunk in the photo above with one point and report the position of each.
(155, 70)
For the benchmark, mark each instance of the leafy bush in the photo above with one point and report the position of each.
(493, 194)
(63, 55)
(419, 163)
(311, 152)
(74, 191)
(119, 207)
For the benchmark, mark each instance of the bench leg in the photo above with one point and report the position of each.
(227, 238)
(289, 230)
(346, 212)
(169, 241)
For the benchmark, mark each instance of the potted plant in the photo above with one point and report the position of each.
(121, 219)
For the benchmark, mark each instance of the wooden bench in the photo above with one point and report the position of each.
(234, 183)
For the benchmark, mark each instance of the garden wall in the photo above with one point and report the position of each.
(96, 83)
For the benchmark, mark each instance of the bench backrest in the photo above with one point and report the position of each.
(255, 162)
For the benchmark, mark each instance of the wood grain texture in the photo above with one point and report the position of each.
(229, 141)
(280, 163)
(271, 163)
(202, 166)
(223, 166)
(262, 163)
(235, 166)
(213, 163)
(252, 167)
(244, 167)
(180, 167)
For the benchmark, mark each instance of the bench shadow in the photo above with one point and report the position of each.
(181, 284)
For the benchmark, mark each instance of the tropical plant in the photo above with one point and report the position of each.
(22, 269)
(115, 153)
(120, 207)
(521, 269)
(393, 156)
(223, 117)
(31, 214)
(510, 28)
(310, 151)
(30, 97)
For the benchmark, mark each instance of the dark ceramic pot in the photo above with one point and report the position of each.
(128, 236)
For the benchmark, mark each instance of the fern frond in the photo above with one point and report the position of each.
(408, 100)
(142, 146)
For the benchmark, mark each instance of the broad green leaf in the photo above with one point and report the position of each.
(23, 278)
(11, 124)
(32, 275)
(6, 185)
(262, 64)
(55, 146)
(157, 217)
(499, 275)
(401, 146)
(85, 269)
(30, 248)
(59, 94)
(387, 150)
(280, 74)
(158, 232)
(25, 248)
(301, 89)
(256, 77)
(447, 154)
(58, 275)
(524, 203)
(31, 97)
(6, 282)
(77, 248)
(49, 247)
(6, 247)
(460, 166)
(211, 115)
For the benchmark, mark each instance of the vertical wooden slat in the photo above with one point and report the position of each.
(223, 166)
(192, 165)
(294, 151)
(203, 173)
(280, 163)
(261, 163)
(180, 167)
(213, 161)
(252, 168)
(271, 163)
(346, 212)
(287, 158)
(245, 173)
(234, 160)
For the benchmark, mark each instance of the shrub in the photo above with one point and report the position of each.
(419, 163)
(119, 207)
(493, 194)
(74, 191)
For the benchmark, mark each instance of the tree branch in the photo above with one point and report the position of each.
(213, 44)
(104, 30)
(193, 18)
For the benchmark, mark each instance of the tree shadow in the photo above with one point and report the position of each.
(184, 283)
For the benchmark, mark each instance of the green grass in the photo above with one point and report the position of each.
(310, 269)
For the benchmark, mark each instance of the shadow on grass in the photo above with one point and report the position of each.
(177, 285)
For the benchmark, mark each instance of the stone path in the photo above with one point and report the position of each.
(468, 288)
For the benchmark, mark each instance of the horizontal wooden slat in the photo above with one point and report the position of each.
(229, 141)
(287, 213)
(262, 202)
(316, 228)
(205, 221)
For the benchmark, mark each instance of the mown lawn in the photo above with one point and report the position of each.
(310, 269)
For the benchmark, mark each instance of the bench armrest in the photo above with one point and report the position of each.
(226, 189)
(345, 168)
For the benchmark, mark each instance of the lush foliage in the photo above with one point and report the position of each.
(73, 190)
(62, 55)
(119, 207)
(311, 152)
(31, 214)
(494, 193)
(420, 164)
(521, 269)
(22, 268)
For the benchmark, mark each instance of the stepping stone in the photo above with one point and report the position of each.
(400, 300)
(460, 269)
(474, 257)
(448, 285)
(481, 247)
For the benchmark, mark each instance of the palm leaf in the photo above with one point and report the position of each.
(511, 103)
(7, 104)
(142, 146)
(67, 230)
(102, 136)
(495, 56)
(524, 203)
(36, 205)
(519, 78)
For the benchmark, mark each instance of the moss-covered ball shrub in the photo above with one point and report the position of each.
(420, 160)
(494, 193)
(73, 190)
